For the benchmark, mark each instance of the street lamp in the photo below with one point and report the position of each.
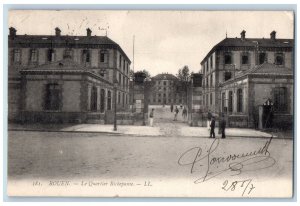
(115, 102)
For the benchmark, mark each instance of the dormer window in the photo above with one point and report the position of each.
(103, 57)
(262, 58)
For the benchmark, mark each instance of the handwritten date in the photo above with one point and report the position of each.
(245, 185)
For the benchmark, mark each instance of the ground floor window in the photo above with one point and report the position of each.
(94, 99)
(280, 99)
(102, 100)
(52, 99)
(109, 100)
(230, 98)
(239, 100)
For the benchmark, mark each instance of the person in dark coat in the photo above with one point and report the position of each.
(223, 126)
(172, 108)
(212, 128)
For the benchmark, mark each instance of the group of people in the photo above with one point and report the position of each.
(176, 111)
(211, 124)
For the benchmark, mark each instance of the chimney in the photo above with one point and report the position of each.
(57, 31)
(273, 35)
(243, 35)
(88, 32)
(12, 32)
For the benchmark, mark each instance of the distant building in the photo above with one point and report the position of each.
(166, 89)
(61, 78)
(239, 74)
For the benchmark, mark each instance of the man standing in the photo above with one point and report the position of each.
(151, 117)
(212, 128)
(223, 126)
(184, 113)
(208, 119)
(171, 108)
(176, 113)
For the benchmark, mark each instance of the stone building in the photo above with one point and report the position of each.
(61, 78)
(167, 89)
(237, 68)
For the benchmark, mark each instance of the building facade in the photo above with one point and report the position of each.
(232, 58)
(60, 78)
(166, 90)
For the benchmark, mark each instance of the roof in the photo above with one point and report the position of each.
(267, 68)
(164, 76)
(263, 69)
(73, 41)
(251, 43)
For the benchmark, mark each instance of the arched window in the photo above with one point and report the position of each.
(94, 99)
(239, 100)
(109, 100)
(279, 59)
(102, 100)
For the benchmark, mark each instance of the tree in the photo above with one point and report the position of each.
(148, 76)
(184, 77)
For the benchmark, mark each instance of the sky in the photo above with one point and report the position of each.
(165, 41)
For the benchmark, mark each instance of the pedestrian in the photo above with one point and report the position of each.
(184, 113)
(151, 117)
(208, 119)
(212, 128)
(171, 108)
(175, 113)
(223, 126)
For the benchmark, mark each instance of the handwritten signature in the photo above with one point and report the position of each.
(237, 163)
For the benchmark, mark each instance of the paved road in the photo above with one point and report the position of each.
(61, 155)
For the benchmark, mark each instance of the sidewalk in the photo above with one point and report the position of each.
(178, 130)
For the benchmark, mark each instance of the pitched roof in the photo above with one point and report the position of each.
(267, 68)
(252, 43)
(262, 69)
(164, 77)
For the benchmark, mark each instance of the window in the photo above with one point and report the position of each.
(124, 65)
(211, 61)
(120, 78)
(227, 76)
(52, 100)
(109, 100)
(119, 97)
(123, 81)
(239, 100)
(94, 99)
(262, 58)
(120, 61)
(103, 56)
(102, 100)
(279, 59)
(223, 102)
(164, 95)
(165, 83)
(16, 55)
(280, 99)
(165, 89)
(127, 68)
(230, 98)
(50, 55)
(68, 53)
(207, 100)
(123, 99)
(86, 56)
(159, 100)
(245, 59)
(211, 100)
(227, 58)
(159, 95)
(33, 55)
(211, 80)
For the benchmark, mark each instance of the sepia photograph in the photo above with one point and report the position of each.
(150, 103)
